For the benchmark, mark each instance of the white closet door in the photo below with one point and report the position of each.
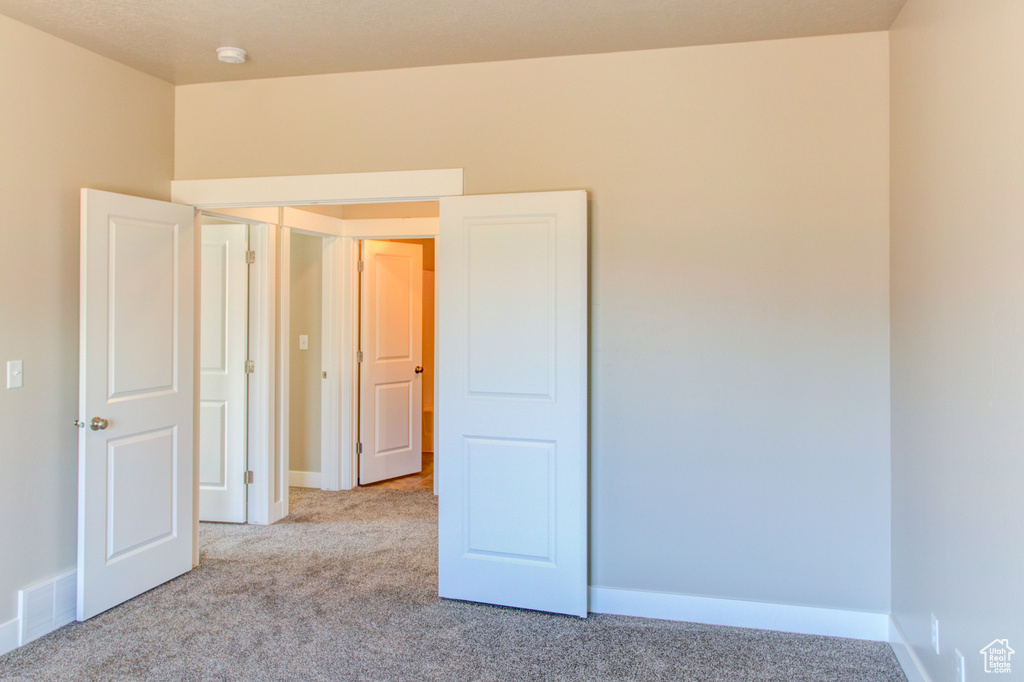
(512, 412)
(136, 397)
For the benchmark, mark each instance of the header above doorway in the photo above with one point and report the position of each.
(300, 190)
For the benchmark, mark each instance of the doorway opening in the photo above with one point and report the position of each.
(385, 426)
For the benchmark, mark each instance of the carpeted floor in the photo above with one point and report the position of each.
(346, 589)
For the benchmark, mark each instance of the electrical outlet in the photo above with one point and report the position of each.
(961, 669)
(935, 633)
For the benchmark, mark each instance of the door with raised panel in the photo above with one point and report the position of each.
(512, 374)
(224, 320)
(135, 397)
(390, 374)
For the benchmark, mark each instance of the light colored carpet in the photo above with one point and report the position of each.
(346, 589)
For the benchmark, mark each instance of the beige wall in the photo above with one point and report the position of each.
(69, 119)
(739, 279)
(306, 365)
(957, 332)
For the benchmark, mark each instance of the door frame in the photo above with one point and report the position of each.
(276, 194)
(339, 465)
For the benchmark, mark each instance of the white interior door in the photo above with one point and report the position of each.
(136, 397)
(390, 375)
(224, 300)
(512, 373)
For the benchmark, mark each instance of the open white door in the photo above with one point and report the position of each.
(390, 375)
(224, 302)
(512, 367)
(135, 397)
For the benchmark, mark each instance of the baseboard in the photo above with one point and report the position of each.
(9, 635)
(304, 479)
(909, 661)
(744, 614)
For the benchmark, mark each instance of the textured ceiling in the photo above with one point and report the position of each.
(176, 39)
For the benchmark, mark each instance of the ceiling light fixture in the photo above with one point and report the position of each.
(231, 55)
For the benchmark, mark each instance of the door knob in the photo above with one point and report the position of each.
(419, 370)
(98, 424)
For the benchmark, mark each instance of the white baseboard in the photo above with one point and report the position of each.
(909, 661)
(9, 635)
(744, 614)
(304, 479)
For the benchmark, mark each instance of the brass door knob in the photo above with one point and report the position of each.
(419, 370)
(98, 424)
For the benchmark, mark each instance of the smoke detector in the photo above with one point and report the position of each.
(231, 55)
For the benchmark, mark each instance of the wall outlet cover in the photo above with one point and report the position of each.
(15, 371)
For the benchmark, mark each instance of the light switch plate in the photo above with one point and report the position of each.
(303, 342)
(14, 374)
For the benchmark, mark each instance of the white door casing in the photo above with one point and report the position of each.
(223, 407)
(512, 374)
(135, 476)
(391, 341)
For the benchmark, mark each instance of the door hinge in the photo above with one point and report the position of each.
(359, 448)
(250, 366)
(250, 257)
(359, 266)
(248, 477)
(325, 375)
(359, 356)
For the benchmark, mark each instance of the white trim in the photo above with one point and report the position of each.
(342, 188)
(304, 479)
(391, 228)
(9, 635)
(435, 400)
(311, 223)
(249, 216)
(806, 620)
(911, 664)
(425, 228)
(330, 361)
(262, 297)
(348, 464)
(283, 358)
